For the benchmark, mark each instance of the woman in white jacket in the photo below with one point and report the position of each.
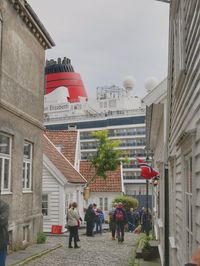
(73, 220)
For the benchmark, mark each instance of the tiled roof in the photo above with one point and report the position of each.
(67, 140)
(60, 162)
(111, 184)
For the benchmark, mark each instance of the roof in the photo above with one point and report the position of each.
(111, 184)
(66, 140)
(34, 24)
(61, 162)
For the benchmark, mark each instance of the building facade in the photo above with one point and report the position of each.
(61, 185)
(23, 41)
(184, 130)
(156, 123)
(178, 134)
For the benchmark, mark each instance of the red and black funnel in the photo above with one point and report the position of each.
(60, 73)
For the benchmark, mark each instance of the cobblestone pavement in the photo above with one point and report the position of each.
(95, 251)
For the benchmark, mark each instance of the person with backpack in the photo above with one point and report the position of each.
(120, 217)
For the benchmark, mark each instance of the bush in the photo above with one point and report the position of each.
(41, 238)
(127, 201)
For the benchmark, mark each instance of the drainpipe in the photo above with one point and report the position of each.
(166, 252)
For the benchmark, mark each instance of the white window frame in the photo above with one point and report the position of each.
(46, 194)
(103, 203)
(188, 204)
(4, 157)
(27, 161)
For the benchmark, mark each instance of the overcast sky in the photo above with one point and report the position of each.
(107, 40)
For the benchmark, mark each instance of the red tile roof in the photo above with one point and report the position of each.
(67, 140)
(111, 184)
(61, 162)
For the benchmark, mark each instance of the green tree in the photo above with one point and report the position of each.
(127, 201)
(107, 157)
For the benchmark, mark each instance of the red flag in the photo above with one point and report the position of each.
(146, 170)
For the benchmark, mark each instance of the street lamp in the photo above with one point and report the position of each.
(149, 154)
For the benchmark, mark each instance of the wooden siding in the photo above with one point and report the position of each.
(184, 113)
(50, 186)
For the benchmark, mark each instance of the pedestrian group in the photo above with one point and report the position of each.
(118, 218)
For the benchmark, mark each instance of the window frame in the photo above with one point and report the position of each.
(27, 161)
(103, 204)
(4, 157)
(45, 194)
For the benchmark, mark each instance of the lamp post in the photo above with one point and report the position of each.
(147, 206)
(149, 154)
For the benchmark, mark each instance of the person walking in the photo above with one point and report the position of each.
(120, 217)
(4, 212)
(73, 221)
(112, 223)
(90, 220)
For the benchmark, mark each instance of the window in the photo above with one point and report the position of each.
(103, 204)
(27, 167)
(45, 205)
(25, 234)
(5, 162)
(188, 203)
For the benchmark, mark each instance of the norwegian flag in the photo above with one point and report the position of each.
(146, 170)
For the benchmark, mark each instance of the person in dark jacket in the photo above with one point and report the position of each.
(4, 211)
(112, 223)
(120, 217)
(90, 217)
(133, 219)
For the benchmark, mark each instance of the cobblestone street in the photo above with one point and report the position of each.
(99, 250)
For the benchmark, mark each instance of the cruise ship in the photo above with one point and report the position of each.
(67, 107)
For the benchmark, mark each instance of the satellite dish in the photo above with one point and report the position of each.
(151, 83)
(129, 83)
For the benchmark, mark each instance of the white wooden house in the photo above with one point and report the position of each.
(102, 192)
(61, 184)
(156, 121)
(183, 131)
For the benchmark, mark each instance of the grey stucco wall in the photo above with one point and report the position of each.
(21, 116)
(22, 83)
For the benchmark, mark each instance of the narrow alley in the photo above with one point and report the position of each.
(99, 250)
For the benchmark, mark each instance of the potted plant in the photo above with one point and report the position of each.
(146, 250)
